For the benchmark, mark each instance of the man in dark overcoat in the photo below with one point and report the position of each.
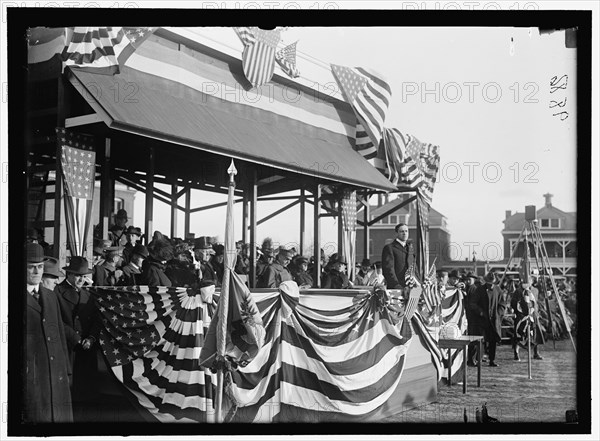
(46, 371)
(82, 329)
(396, 258)
(488, 307)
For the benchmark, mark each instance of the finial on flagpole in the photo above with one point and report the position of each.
(232, 171)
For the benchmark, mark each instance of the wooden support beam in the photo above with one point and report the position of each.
(209, 207)
(317, 235)
(82, 120)
(276, 212)
(340, 230)
(105, 205)
(302, 220)
(391, 210)
(174, 210)
(245, 218)
(148, 227)
(188, 203)
(276, 198)
(253, 193)
(366, 238)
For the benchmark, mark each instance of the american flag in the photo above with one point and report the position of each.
(422, 233)
(78, 169)
(286, 58)
(412, 302)
(152, 338)
(246, 34)
(368, 94)
(396, 163)
(258, 59)
(427, 158)
(363, 144)
(349, 210)
(103, 49)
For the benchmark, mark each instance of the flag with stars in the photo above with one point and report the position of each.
(312, 366)
(103, 49)
(286, 58)
(369, 95)
(151, 339)
(258, 58)
(78, 170)
(348, 219)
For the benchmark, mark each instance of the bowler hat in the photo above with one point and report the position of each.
(113, 251)
(51, 268)
(32, 233)
(366, 262)
(203, 243)
(140, 250)
(121, 214)
(78, 265)
(219, 249)
(35, 253)
(454, 273)
(301, 259)
(341, 260)
(134, 230)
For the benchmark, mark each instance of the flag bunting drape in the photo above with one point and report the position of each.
(258, 58)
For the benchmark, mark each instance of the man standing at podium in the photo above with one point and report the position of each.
(397, 257)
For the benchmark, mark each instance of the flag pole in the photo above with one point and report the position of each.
(229, 262)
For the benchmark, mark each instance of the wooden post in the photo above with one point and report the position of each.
(366, 238)
(340, 231)
(317, 235)
(105, 203)
(253, 187)
(302, 222)
(245, 217)
(148, 228)
(528, 330)
(188, 203)
(173, 210)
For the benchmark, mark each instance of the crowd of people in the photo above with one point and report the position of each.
(65, 372)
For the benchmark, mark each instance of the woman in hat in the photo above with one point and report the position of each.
(180, 269)
(153, 270)
(336, 278)
(300, 273)
(363, 276)
(132, 272)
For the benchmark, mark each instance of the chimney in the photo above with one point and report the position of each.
(548, 197)
(507, 214)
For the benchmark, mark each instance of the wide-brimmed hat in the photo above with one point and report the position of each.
(455, 274)
(113, 251)
(121, 214)
(339, 259)
(219, 249)
(471, 274)
(35, 253)
(140, 250)
(100, 245)
(490, 277)
(78, 265)
(204, 243)
(51, 268)
(301, 259)
(134, 230)
(286, 253)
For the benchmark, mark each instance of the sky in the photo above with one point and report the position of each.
(483, 95)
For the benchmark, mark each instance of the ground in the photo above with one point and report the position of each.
(511, 397)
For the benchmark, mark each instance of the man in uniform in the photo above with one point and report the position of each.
(396, 258)
(277, 272)
(47, 370)
(117, 231)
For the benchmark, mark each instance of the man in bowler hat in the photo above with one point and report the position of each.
(82, 328)
(46, 371)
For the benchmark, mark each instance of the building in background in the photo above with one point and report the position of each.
(559, 233)
(383, 232)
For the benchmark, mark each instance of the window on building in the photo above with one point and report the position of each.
(384, 220)
(545, 223)
(119, 204)
(554, 223)
(393, 219)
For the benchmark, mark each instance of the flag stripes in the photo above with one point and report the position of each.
(258, 58)
(286, 58)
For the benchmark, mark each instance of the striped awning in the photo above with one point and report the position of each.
(199, 101)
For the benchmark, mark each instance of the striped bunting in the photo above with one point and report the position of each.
(331, 357)
(102, 49)
(258, 58)
(453, 314)
(152, 339)
(369, 95)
